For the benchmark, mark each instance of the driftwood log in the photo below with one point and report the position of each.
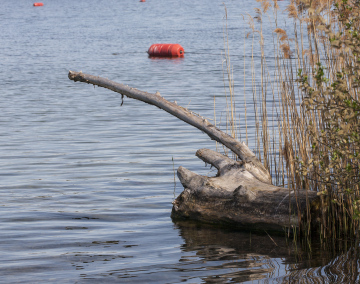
(241, 194)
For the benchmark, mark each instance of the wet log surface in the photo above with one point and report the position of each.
(241, 194)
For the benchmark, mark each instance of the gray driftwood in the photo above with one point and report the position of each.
(241, 194)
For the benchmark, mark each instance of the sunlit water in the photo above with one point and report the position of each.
(86, 184)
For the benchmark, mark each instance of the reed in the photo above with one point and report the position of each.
(231, 122)
(309, 135)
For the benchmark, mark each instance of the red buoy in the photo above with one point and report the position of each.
(38, 4)
(142, 0)
(166, 50)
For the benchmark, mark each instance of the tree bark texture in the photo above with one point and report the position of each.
(241, 194)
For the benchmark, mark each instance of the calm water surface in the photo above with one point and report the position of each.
(86, 185)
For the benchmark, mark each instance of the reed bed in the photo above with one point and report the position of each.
(309, 135)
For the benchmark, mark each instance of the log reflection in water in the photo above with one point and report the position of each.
(238, 257)
(235, 256)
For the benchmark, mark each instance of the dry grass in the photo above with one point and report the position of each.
(288, 129)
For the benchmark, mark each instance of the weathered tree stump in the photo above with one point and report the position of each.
(241, 194)
(236, 197)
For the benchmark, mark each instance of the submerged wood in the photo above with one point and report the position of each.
(241, 194)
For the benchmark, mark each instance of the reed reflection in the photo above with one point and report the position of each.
(238, 257)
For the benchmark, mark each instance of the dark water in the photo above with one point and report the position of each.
(86, 185)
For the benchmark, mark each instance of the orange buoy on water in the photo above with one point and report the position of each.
(38, 4)
(166, 50)
(142, 0)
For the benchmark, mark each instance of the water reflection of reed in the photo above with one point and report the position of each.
(237, 257)
(343, 268)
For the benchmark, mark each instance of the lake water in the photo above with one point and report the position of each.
(86, 184)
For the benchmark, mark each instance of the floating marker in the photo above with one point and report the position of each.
(166, 50)
(142, 0)
(38, 4)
